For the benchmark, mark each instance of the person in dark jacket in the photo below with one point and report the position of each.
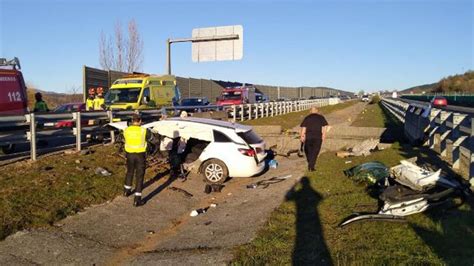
(313, 132)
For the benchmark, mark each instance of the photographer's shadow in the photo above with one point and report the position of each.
(310, 247)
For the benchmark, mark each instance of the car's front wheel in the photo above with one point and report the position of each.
(214, 171)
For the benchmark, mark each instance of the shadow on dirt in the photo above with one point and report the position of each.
(155, 192)
(310, 247)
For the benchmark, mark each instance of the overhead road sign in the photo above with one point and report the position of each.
(211, 44)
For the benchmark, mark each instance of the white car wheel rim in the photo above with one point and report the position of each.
(214, 172)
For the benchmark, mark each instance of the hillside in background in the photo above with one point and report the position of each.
(52, 99)
(457, 83)
(420, 89)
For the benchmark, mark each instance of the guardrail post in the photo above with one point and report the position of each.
(234, 113)
(110, 115)
(249, 106)
(471, 151)
(272, 108)
(457, 139)
(433, 127)
(440, 136)
(32, 136)
(266, 109)
(242, 112)
(77, 130)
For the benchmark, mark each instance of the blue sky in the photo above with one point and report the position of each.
(349, 45)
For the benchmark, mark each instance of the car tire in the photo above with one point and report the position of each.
(8, 149)
(214, 171)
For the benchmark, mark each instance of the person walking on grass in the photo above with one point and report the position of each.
(313, 132)
(136, 139)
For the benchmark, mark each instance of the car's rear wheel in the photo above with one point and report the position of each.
(8, 149)
(214, 171)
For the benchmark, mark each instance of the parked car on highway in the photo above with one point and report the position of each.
(70, 107)
(67, 108)
(193, 103)
(206, 139)
(439, 101)
(261, 98)
(365, 98)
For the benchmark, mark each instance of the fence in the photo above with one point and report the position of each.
(450, 134)
(193, 87)
(34, 128)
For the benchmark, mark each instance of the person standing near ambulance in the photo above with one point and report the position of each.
(90, 100)
(136, 138)
(99, 102)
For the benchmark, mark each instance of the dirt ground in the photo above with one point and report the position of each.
(162, 231)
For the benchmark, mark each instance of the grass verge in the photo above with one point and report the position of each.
(40, 193)
(291, 120)
(304, 229)
(371, 116)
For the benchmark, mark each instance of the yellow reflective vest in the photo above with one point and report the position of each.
(98, 102)
(135, 139)
(90, 104)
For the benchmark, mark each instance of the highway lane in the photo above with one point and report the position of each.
(452, 108)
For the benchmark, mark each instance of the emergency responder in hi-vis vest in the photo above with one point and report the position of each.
(90, 103)
(136, 139)
(90, 100)
(99, 102)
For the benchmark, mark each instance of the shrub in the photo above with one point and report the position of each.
(375, 99)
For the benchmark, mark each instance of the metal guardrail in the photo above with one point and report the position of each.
(36, 127)
(450, 134)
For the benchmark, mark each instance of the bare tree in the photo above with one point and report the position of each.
(106, 52)
(119, 47)
(135, 47)
(126, 54)
(74, 94)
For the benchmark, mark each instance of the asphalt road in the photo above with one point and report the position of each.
(451, 108)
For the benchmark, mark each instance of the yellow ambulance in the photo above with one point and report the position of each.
(142, 92)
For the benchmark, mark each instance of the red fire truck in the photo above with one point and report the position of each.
(237, 95)
(13, 99)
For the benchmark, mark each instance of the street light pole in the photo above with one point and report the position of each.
(168, 56)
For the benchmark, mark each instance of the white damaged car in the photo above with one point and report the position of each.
(215, 149)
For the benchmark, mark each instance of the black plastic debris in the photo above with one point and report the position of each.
(267, 182)
(184, 192)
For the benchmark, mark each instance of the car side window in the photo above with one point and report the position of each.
(220, 137)
(146, 93)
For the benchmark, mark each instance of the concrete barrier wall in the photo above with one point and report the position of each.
(450, 134)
